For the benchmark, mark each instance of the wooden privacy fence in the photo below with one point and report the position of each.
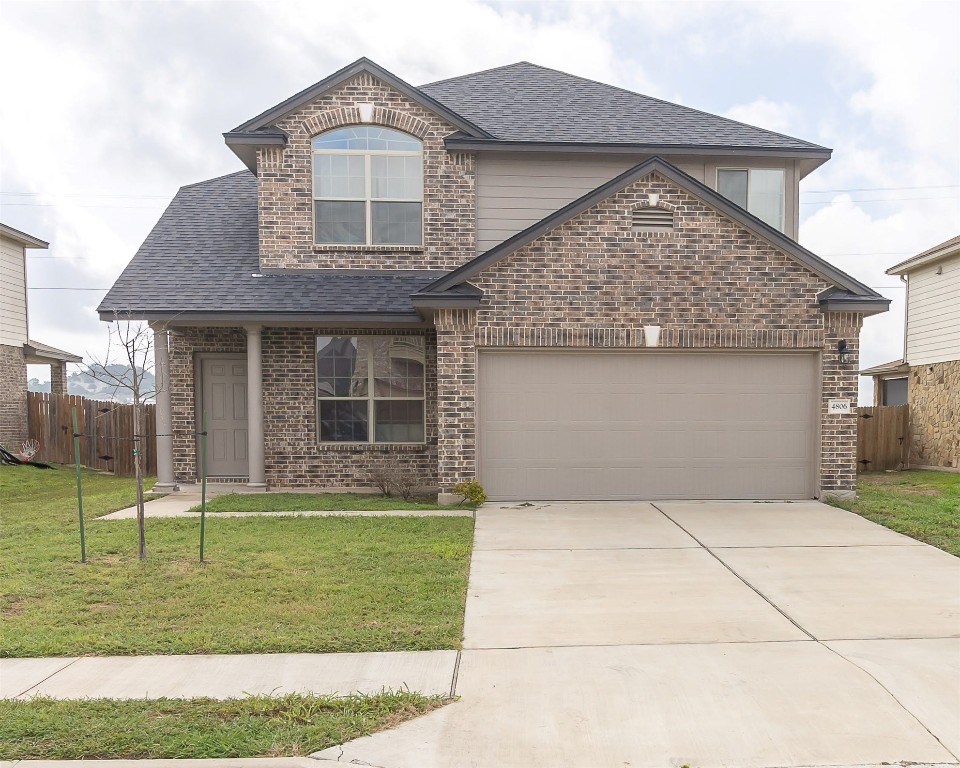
(883, 438)
(106, 428)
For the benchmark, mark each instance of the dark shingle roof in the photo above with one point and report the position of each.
(202, 254)
(527, 102)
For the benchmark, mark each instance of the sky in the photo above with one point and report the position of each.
(107, 108)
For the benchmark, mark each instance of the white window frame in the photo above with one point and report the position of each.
(783, 191)
(367, 154)
(370, 397)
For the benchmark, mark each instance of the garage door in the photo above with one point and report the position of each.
(647, 425)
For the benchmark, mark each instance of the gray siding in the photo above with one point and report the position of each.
(515, 190)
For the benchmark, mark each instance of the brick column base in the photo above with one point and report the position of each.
(456, 399)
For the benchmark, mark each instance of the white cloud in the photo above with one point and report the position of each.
(772, 115)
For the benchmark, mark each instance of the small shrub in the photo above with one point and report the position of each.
(471, 491)
(395, 479)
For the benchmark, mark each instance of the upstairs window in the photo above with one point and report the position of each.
(367, 187)
(757, 190)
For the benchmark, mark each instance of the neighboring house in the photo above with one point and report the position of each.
(928, 375)
(463, 279)
(16, 348)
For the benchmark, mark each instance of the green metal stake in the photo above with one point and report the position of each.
(203, 479)
(76, 458)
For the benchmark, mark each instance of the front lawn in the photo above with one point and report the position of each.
(257, 726)
(313, 502)
(270, 584)
(922, 504)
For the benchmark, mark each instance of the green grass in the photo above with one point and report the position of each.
(312, 502)
(922, 504)
(269, 585)
(257, 726)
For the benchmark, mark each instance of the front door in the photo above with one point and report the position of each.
(223, 383)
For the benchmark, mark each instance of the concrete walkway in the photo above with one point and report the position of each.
(227, 676)
(713, 634)
(178, 503)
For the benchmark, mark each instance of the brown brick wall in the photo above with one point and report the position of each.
(13, 397)
(58, 378)
(293, 458)
(293, 455)
(286, 191)
(838, 432)
(934, 392)
(456, 398)
(593, 282)
(185, 344)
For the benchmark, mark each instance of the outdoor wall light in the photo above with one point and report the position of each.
(843, 354)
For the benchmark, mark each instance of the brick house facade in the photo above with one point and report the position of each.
(586, 278)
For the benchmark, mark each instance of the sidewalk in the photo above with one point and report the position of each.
(227, 676)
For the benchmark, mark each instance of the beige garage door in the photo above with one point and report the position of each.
(647, 425)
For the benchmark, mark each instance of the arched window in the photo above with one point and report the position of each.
(367, 187)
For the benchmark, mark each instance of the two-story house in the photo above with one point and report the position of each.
(563, 288)
(17, 350)
(928, 375)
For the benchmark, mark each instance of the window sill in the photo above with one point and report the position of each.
(332, 248)
(374, 447)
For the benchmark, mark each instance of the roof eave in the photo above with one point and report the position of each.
(36, 355)
(228, 318)
(435, 301)
(244, 144)
(864, 305)
(27, 241)
(886, 369)
(905, 267)
(342, 75)
(458, 142)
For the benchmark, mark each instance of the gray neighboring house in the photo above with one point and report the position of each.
(560, 287)
(17, 350)
(927, 377)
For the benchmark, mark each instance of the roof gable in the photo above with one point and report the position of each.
(265, 119)
(849, 288)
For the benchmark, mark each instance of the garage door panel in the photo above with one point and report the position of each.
(576, 425)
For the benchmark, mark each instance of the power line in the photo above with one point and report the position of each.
(61, 288)
(876, 200)
(873, 189)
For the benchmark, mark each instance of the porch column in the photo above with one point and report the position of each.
(58, 377)
(257, 475)
(161, 363)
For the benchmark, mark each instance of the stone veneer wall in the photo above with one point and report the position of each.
(293, 457)
(934, 392)
(285, 196)
(594, 282)
(13, 397)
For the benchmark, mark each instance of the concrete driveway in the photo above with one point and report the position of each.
(701, 633)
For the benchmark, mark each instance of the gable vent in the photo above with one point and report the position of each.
(652, 220)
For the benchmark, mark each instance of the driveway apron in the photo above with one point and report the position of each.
(702, 633)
